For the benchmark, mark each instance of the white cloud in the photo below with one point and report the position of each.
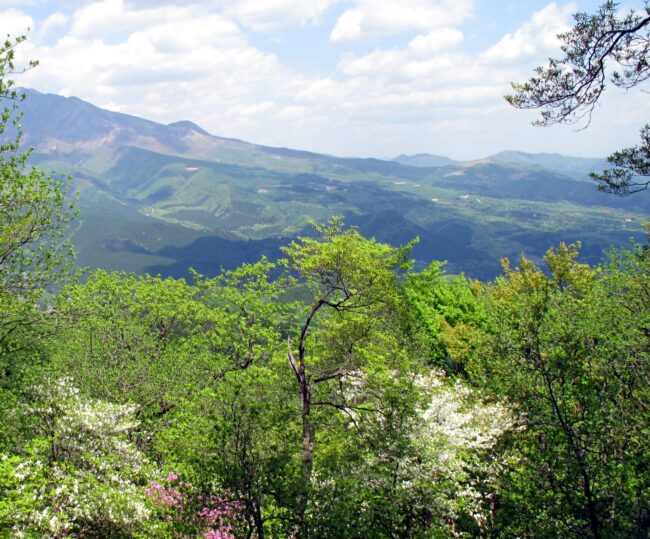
(104, 18)
(54, 21)
(166, 60)
(430, 57)
(14, 22)
(167, 63)
(535, 37)
(273, 15)
(194, 34)
(373, 19)
(432, 81)
(435, 41)
(315, 91)
(251, 110)
(293, 113)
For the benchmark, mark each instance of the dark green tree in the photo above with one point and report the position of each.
(601, 49)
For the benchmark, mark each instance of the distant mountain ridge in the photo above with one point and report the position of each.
(158, 197)
(577, 168)
(54, 123)
(424, 160)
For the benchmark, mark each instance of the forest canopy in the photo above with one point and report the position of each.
(335, 393)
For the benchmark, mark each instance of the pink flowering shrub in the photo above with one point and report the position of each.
(190, 514)
(166, 497)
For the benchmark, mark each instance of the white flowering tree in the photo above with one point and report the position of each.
(429, 469)
(457, 451)
(80, 476)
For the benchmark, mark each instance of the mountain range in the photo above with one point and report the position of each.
(162, 198)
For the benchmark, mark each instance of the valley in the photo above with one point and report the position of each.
(163, 198)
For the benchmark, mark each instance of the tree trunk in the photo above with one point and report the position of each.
(308, 428)
(308, 432)
(259, 521)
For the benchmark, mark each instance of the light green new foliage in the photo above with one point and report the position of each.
(139, 340)
(348, 334)
(254, 433)
(34, 253)
(33, 215)
(569, 350)
(244, 406)
(253, 312)
(437, 303)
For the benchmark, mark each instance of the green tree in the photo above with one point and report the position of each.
(601, 48)
(33, 216)
(349, 329)
(140, 340)
(569, 351)
(201, 364)
(368, 446)
(252, 435)
(437, 303)
(34, 254)
(283, 441)
(425, 464)
(79, 475)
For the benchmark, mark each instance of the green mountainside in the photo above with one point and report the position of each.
(163, 198)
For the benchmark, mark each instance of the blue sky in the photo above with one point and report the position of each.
(347, 77)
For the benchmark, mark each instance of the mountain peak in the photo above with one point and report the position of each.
(186, 124)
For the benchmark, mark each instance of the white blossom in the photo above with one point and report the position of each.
(93, 470)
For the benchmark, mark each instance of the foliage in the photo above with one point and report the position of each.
(305, 398)
(350, 324)
(254, 444)
(440, 303)
(424, 467)
(34, 254)
(79, 475)
(569, 350)
(135, 339)
(600, 48)
(33, 215)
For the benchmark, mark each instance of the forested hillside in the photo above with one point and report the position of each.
(336, 393)
(339, 391)
(163, 198)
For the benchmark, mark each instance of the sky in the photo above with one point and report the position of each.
(367, 78)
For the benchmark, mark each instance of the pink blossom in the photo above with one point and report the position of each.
(219, 534)
(217, 515)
